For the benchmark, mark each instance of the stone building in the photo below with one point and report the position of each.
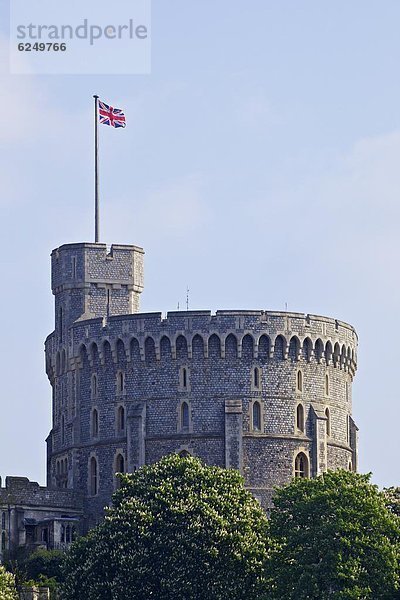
(33, 517)
(268, 393)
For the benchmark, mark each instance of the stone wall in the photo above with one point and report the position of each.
(21, 491)
(220, 354)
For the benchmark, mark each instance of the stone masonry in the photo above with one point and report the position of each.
(268, 393)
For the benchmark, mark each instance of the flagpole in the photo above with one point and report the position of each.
(96, 173)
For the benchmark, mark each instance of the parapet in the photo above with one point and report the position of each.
(20, 490)
(276, 335)
(90, 280)
(86, 263)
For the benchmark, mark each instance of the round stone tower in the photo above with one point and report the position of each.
(268, 393)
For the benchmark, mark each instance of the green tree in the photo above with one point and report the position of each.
(177, 529)
(392, 497)
(7, 585)
(333, 537)
(45, 563)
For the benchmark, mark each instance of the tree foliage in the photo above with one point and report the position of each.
(333, 537)
(45, 564)
(7, 585)
(177, 529)
(392, 498)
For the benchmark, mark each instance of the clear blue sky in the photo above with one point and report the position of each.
(260, 166)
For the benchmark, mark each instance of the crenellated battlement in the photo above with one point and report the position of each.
(281, 335)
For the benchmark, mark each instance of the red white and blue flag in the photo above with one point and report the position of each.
(108, 115)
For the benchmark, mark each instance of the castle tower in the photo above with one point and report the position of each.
(268, 393)
(89, 282)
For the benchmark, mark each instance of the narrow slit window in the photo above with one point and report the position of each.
(328, 421)
(256, 378)
(299, 381)
(120, 382)
(185, 415)
(121, 418)
(256, 416)
(300, 417)
(120, 468)
(184, 377)
(74, 267)
(95, 423)
(327, 385)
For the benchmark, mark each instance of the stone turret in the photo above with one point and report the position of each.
(88, 281)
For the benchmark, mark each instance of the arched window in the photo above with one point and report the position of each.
(280, 347)
(120, 382)
(120, 464)
(299, 381)
(307, 349)
(328, 353)
(149, 350)
(119, 468)
(93, 477)
(256, 378)
(185, 415)
(184, 453)
(256, 416)
(3, 520)
(264, 346)
(350, 466)
(300, 417)
(95, 423)
(301, 465)
(319, 350)
(45, 535)
(214, 346)
(3, 540)
(198, 346)
(294, 348)
(121, 419)
(328, 421)
(181, 346)
(94, 386)
(231, 346)
(326, 384)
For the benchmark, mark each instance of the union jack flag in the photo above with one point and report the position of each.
(109, 115)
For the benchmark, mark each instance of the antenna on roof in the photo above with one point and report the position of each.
(187, 298)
